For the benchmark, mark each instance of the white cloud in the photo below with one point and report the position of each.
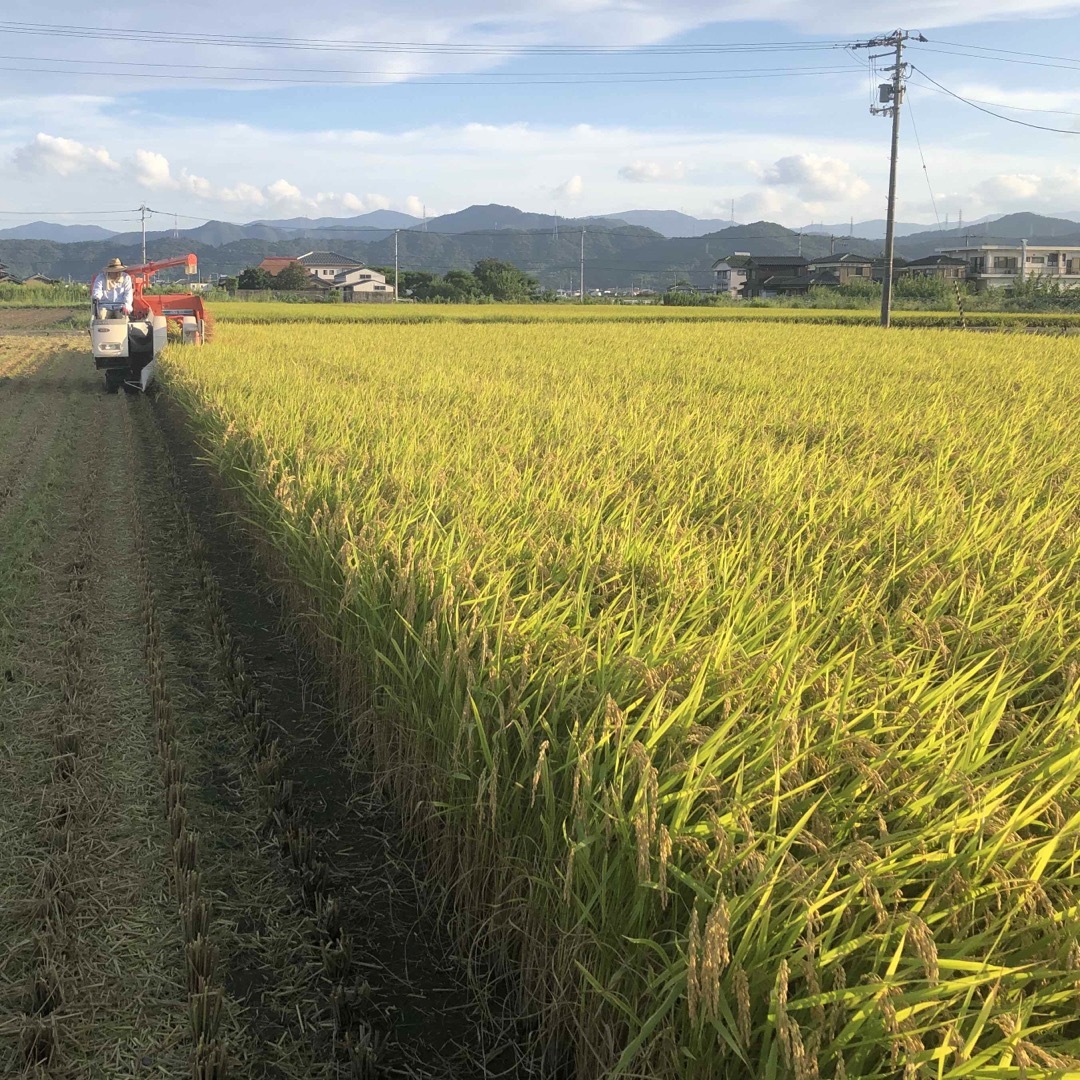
(64, 157)
(414, 205)
(569, 189)
(815, 178)
(152, 170)
(1007, 186)
(653, 172)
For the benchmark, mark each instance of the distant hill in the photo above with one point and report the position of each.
(495, 217)
(48, 230)
(376, 219)
(864, 230)
(671, 222)
(616, 253)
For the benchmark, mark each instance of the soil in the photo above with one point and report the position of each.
(58, 320)
(195, 875)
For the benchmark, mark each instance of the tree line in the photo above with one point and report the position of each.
(489, 281)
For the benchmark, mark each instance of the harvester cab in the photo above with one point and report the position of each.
(126, 348)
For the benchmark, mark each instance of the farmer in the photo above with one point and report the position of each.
(112, 290)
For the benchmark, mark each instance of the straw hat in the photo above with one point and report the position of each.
(114, 266)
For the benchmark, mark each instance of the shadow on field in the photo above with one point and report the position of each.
(433, 1019)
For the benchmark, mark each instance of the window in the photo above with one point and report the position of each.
(1039, 260)
(1052, 259)
(1005, 264)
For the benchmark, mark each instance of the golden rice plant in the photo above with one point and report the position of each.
(730, 673)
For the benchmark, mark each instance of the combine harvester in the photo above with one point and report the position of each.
(126, 349)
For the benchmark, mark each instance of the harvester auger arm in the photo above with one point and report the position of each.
(185, 309)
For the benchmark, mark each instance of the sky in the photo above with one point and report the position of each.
(245, 110)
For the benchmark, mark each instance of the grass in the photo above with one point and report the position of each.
(732, 680)
(257, 313)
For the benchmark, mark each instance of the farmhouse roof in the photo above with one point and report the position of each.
(274, 264)
(937, 260)
(777, 260)
(328, 259)
(845, 257)
(736, 262)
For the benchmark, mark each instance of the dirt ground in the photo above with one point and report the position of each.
(37, 321)
(194, 881)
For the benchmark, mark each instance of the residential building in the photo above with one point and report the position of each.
(362, 285)
(326, 265)
(785, 275)
(7, 277)
(274, 264)
(877, 271)
(943, 267)
(848, 268)
(41, 279)
(1002, 265)
(731, 274)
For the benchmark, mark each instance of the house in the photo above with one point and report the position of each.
(1000, 265)
(41, 279)
(326, 265)
(274, 264)
(7, 277)
(877, 272)
(362, 285)
(798, 283)
(942, 267)
(848, 268)
(731, 274)
(768, 275)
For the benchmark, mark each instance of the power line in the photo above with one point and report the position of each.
(336, 45)
(67, 213)
(1003, 105)
(473, 79)
(989, 112)
(1072, 66)
(385, 74)
(922, 158)
(1012, 52)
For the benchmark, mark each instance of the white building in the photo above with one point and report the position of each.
(1001, 265)
(731, 273)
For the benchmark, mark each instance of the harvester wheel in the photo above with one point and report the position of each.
(112, 381)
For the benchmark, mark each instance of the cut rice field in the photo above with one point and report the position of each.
(192, 881)
(727, 673)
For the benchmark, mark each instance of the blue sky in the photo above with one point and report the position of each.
(590, 106)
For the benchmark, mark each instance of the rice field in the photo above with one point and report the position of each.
(728, 674)
(260, 313)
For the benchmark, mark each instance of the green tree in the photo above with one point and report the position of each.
(255, 277)
(292, 278)
(417, 284)
(504, 282)
(458, 287)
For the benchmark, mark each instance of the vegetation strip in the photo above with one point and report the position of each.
(383, 971)
(733, 681)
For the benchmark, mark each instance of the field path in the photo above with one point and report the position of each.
(189, 875)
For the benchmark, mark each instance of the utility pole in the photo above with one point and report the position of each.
(142, 212)
(890, 97)
(581, 277)
(397, 275)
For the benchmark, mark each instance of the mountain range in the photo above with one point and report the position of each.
(618, 252)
